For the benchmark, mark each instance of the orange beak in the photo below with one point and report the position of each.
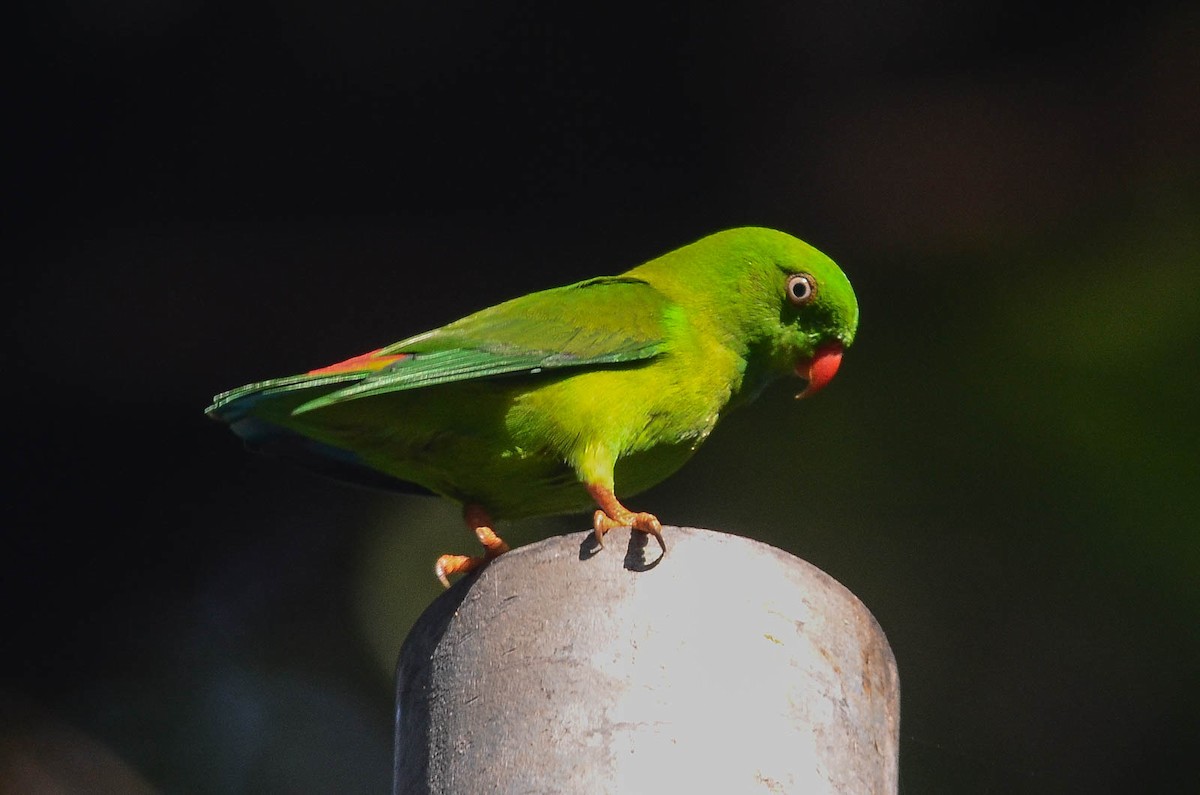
(821, 368)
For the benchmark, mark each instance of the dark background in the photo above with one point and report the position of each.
(202, 193)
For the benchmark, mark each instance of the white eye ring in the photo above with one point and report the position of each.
(801, 288)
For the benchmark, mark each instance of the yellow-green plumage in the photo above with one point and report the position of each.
(614, 381)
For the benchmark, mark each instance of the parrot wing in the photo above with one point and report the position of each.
(610, 320)
(607, 320)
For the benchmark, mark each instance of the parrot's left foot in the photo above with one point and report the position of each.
(613, 514)
(493, 545)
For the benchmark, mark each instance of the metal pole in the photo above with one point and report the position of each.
(728, 667)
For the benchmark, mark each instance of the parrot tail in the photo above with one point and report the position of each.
(254, 411)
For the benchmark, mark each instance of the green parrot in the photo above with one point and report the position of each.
(551, 402)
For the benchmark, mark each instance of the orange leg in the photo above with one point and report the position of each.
(478, 520)
(613, 514)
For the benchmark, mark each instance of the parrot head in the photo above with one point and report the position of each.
(785, 306)
(817, 314)
(819, 319)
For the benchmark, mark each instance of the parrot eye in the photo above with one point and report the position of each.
(801, 288)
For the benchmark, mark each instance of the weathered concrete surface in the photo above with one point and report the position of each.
(730, 667)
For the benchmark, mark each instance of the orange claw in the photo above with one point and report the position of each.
(613, 514)
(493, 545)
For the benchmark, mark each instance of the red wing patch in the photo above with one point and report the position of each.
(366, 362)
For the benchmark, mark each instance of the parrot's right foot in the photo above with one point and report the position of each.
(613, 514)
(493, 545)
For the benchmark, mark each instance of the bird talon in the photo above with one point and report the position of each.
(600, 525)
(493, 546)
(647, 523)
(454, 564)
